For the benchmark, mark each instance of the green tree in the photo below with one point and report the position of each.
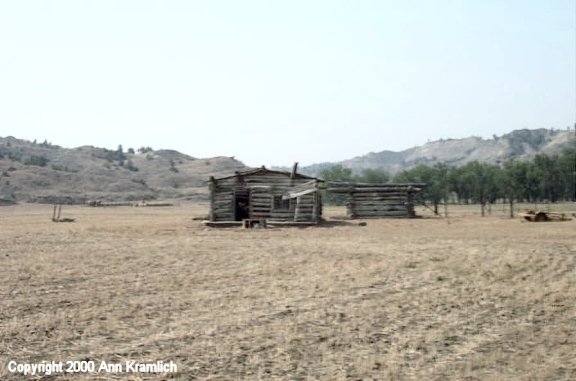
(458, 185)
(335, 173)
(435, 179)
(373, 176)
(545, 172)
(145, 149)
(482, 179)
(117, 155)
(567, 168)
(513, 176)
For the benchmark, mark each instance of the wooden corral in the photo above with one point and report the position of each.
(265, 195)
(367, 200)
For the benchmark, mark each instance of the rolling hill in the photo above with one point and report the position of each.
(47, 173)
(518, 144)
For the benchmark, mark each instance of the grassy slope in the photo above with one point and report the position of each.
(76, 175)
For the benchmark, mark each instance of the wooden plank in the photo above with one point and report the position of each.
(266, 205)
(374, 189)
(262, 194)
(285, 216)
(290, 195)
(261, 215)
(316, 207)
(281, 213)
(263, 203)
(335, 184)
(223, 198)
(380, 217)
(260, 211)
(223, 218)
(297, 208)
(290, 223)
(222, 202)
(377, 202)
(212, 194)
(260, 200)
(220, 212)
(306, 208)
(222, 224)
(378, 196)
(378, 211)
(380, 214)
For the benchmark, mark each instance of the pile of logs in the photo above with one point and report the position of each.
(367, 200)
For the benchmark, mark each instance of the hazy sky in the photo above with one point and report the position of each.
(272, 82)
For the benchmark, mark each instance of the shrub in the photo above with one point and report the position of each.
(130, 166)
(145, 149)
(40, 161)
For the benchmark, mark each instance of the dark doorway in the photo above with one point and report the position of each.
(241, 205)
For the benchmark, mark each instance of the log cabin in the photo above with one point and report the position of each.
(272, 197)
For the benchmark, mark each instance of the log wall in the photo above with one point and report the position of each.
(366, 200)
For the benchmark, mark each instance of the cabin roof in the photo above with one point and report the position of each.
(264, 171)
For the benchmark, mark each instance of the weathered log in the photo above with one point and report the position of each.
(368, 185)
(375, 190)
(371, 202)
(365, 214)
(379, 196)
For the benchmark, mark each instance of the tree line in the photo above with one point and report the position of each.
(543, 179)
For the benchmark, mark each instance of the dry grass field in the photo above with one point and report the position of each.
(463, 298)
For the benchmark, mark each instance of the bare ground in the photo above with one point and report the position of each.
(464, 298)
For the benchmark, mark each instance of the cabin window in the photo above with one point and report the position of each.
(281, 204)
